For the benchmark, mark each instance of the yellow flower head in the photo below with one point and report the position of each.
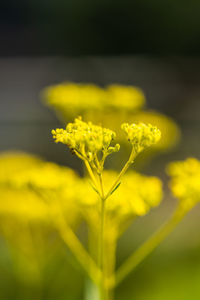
(185, 181)
(126, 98)
(46, 176)
(72, 99)
(14, 162)
(86, 139)
(22, 205)
(28, 183)
(136, 194)
(141, 135)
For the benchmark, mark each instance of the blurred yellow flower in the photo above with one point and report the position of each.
(13, 162)
(185, 181)
(74, 99)
(27, 183)
(125, 98)
(26, 221)
(22, 205)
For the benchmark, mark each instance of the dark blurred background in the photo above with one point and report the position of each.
(148, 43)
(94, 27)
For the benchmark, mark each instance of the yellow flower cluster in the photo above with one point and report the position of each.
(23, 205)
(86, 140)
(13, 162)
(24, 170)
(26, 182)
(75, 99)
(26, 220)
(185, 181)
(141, 135)
(121, 97)
(47, 176)
(170, 131)
(136, 194)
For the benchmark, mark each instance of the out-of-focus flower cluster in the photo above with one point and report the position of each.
(26, 182)
(110, 107)
(185, 181)
(21, 204)
(141, 135)
(26, 221)
(78, 98)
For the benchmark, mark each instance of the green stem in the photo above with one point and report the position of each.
(105, 292)
(101, 187)
(123, 171)
(91, 173)
(91, 289)
(109, 264)
(140, 254)
(101, 249)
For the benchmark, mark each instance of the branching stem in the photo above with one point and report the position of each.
(123, 171)
(91, 174)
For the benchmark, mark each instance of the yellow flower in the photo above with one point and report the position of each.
(185, 181)
(13, 162)
(28, 185)
(48, 176)
(170, 131)
(72, 99)
(86, 140)
(126, 98)
(141, 135)
(22, 205)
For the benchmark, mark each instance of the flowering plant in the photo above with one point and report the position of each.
(107, 201)
(92, 144)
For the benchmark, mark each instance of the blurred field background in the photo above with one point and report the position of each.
(150, 44)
